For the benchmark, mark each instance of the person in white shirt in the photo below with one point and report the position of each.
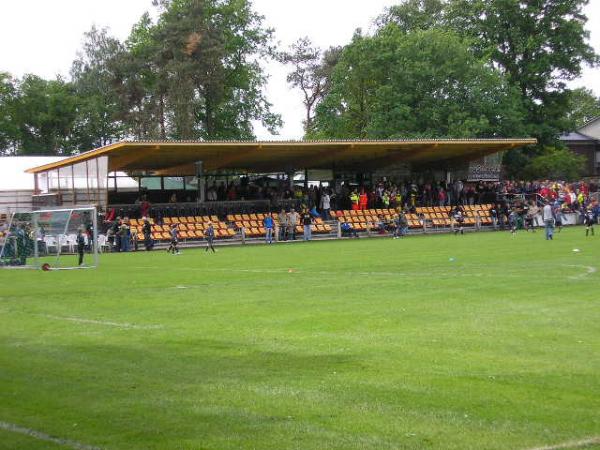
(548, 218)
(325, 205)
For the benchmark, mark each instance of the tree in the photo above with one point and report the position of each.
(584, 106)
(8, 129)
(538, 45)
(95, 75)
(555, 163)
(413, 15)
(311, 73)
(426, 83)
(208, 56)
(45, 114)
(144, 88)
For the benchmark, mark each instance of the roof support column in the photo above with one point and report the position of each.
(201, 181)
(290, 175)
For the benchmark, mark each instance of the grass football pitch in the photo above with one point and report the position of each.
(482, 341)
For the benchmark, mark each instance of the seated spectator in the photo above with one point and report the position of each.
(381, 225)
(348, 230)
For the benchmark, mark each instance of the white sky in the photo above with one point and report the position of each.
(42, 37)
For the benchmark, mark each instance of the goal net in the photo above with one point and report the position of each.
(50, 239)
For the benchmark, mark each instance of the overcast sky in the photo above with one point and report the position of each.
(43, 37)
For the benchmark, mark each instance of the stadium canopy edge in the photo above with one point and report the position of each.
(178, 157)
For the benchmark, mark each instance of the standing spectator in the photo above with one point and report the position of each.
(307, 222)
(283, 225)
(124, 235)
(458, 192)
(110, 238)
(116, 229)
(442, 197)
(531, 217)
(355, 200)
(548, 218)
(325, 205)
(291, 223)
(268, 224)
(134, 240)
(363, 200)
(145, 207)
(558, 215)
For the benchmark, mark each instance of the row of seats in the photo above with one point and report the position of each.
(437, 216)
(182, 219)
(256, 231)
(181, 227)
(362, 223)
(419, 210)
(246, 217)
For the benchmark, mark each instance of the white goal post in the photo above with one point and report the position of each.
(50, 239)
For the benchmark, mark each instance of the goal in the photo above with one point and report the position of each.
(50, 239)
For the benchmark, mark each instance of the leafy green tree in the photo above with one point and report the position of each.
(144, 88)
(426, 83)
(538, 45)
(9, 131)
(209, 57)
(95, 76)
(555, 163)
(44, 112)
(413, 15)
(584, 106)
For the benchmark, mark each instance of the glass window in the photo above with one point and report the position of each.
(173, 183)
(151, 183)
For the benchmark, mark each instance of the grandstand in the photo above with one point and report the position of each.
(163, 169)
(174, 177)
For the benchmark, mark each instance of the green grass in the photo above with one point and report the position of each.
(365, 344)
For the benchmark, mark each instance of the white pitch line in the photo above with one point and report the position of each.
(453, 274)
(589, 270)
(45, 437)
(571, 444)
(124, 325)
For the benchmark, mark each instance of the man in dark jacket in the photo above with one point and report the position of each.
(80, 245)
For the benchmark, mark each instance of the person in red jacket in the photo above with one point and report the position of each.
(364, 200)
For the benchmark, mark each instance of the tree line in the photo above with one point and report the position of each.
(430, 68)
(455, 68)
(193, 73)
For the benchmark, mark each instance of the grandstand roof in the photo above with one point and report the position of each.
(178, 157)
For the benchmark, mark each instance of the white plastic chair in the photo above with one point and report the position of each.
(63, 241)
(51, 243)
(102, 242)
